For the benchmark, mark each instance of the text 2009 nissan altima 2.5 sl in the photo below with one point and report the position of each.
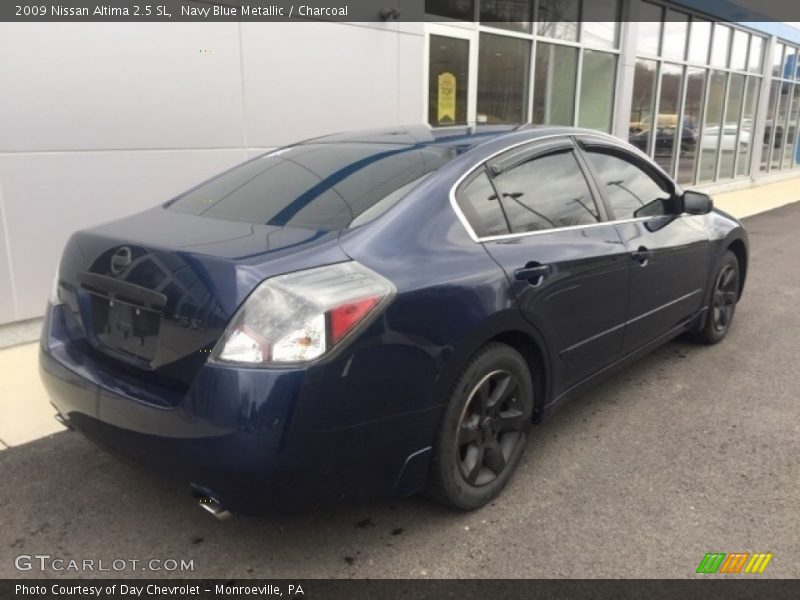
(379, 313)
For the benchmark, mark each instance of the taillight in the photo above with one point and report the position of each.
(301, 316)
(55, 296)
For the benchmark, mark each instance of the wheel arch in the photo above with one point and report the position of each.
(534, 356)
(507, 327)
(739, 249)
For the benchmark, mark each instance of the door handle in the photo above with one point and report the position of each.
(642, 255)
(533, 273)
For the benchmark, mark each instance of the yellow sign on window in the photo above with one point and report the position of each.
(446, 112)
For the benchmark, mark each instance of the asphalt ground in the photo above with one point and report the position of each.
(693, 449)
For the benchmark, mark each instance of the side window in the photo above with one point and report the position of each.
(479, 204)
(630, 190)
(546, 192)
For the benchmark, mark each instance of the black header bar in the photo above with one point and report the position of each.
(708, 588)
(385, 11)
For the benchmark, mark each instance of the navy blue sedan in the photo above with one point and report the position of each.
(379, 313)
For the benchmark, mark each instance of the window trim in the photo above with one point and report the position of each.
(500, 164)
(581, 141)
(468, 181)
(590, 141)
(470, 171)
(605, 219)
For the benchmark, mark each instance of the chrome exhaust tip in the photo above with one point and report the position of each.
(63, 421)
(214, 506)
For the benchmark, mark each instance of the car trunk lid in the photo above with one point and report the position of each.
(152, 293)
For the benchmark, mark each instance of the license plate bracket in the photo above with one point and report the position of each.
(125, 328)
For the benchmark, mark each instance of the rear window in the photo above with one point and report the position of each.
(315, 186)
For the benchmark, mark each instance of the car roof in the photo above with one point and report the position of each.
(465, 137)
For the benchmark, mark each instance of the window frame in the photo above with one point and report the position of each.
(465, 183)
(508, 159)
(538, 148)
(580, 145)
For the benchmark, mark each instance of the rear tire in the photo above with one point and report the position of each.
(722, 304)
(483, 430)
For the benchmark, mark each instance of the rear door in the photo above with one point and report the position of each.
(669, 253)
(541, 221)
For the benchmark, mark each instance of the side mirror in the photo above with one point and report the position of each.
(696, 203)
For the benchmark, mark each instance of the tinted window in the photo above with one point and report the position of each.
(546, 192)
(516, 15)
(649, 35)
(313, 186)
(597, 89)
(463, 10)
(479, 203)
(554, 97)
(600, 20)
(720, 45)
(630, 190)
(559, 19)
(503, 66)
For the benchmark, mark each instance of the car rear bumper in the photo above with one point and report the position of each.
(208, 446)
(243, 436)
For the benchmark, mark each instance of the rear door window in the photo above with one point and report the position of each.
(481, 206)
(547, 192)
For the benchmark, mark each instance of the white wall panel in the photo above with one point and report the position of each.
(99, 120)
(410, 73)
(89, 86)
(305, 79)
(48, 196)
(7, 308)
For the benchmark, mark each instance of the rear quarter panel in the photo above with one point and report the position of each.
(451, 296)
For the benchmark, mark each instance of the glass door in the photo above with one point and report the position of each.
(451, 76)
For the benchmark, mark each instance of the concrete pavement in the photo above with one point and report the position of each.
(751, 201)
(25, 411)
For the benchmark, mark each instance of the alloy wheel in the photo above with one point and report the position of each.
(490, 428)
(725, 294)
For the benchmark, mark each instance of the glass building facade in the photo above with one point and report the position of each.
(780, 147)
(710, 101)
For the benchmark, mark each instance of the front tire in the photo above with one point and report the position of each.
(484, 429)
(723, 301)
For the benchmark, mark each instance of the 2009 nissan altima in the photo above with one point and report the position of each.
(380, 312)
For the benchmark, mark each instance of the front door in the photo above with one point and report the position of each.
(670, 254)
